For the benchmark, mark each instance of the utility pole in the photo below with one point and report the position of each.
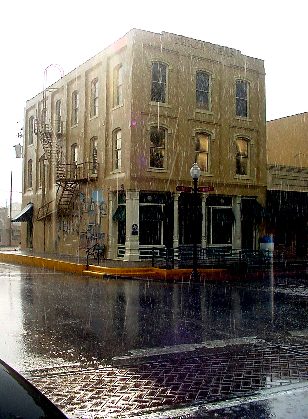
(10, 227)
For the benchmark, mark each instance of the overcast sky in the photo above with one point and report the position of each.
(35, 34)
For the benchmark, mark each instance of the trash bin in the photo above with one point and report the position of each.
(267, 244)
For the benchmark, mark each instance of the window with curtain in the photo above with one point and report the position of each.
(117, 149)
(157, 147)
(159, 82)
(202, 151)
(242, 156)
(94, 98)
(30, 130)
(118, 86)
(75, 107)
(203, 90)
(241, 98)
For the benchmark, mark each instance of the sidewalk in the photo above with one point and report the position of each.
(248, 379)
(107, 268)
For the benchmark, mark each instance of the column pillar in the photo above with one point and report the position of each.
(237, 237)
(112, 233)
(132, 226)
(176, 220)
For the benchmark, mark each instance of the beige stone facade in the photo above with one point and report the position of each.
(106, 146)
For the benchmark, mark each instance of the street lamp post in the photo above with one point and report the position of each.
(195, 174)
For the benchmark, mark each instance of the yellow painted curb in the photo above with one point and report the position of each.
(103, 272)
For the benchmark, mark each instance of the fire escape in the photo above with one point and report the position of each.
(66, 177)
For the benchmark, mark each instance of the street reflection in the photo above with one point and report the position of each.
(47, 315)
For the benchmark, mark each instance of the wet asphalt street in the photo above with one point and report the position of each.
(113, 348)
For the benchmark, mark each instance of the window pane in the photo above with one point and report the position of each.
(159, 80)
(241, 98)
(242, 156)
(202, 151)
(117, 145)
(157, 147)
(202, 89)
(222, 221)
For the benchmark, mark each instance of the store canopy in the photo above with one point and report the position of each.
(25, 215)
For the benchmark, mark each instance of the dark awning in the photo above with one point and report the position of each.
(120, 213)
(25, 215)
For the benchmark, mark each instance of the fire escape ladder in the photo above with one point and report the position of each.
(65, 194)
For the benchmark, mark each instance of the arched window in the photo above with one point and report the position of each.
(94, 98)
(202, 151)
(157, 147)
(118, 86)
(29, 174)
(241, 98)
(202, 90)
(117, 149)
(159, 82)
(242, 156)
(75, 106)
(30, 130)
(93, 156)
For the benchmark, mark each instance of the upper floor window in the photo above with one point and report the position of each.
(203, 90)
(242, 156)
(93, 155)
(117, 149)
(241, 98)
(118, 86)
(74, 153)
(75, 107)
(202, 151)
(157, 147)
(58, 121)
(94, 98)
(29, 174)
(159, 82)
(31, 130)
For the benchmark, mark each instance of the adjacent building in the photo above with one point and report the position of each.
(287, 196)
(107, 146)
(10, 233)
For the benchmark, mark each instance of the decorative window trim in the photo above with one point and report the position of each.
(210, 76)
(117, 148)
(234, 153)
(94, 98)
(31, 130)
(166, 90)
(75, 108)
(210, 140)
(117, 99)
(152, 146)
(242, 79)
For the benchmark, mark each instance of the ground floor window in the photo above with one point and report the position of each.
(220, 222)
(151, 224)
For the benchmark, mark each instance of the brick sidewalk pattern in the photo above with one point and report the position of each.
(139, 385)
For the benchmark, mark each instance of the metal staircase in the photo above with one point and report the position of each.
(66, 177)
(65, 194)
